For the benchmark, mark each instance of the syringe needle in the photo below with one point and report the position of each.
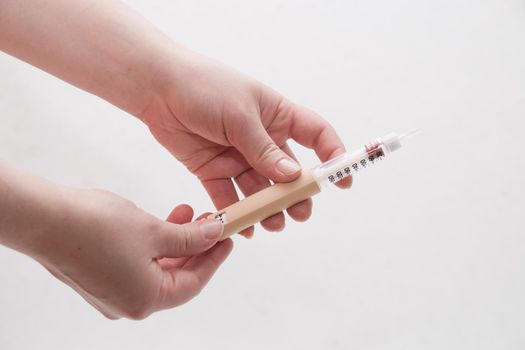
(409, 134)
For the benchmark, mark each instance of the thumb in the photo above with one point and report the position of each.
(265, 156)
(188, 239)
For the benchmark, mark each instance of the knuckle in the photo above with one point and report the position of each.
(111, 200)
(109, 316)
(198, 290)
(266, 152)
(153, 225)
(200, 283)
(137, 313)
(184, 240)
(239, 112)
(236, 122)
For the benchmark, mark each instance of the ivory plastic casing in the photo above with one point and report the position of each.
(280, 196)
(266, 203)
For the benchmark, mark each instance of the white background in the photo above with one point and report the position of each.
(427, 251)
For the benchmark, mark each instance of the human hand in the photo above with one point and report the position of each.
(219, 123)
(124, 261)
(225, 128)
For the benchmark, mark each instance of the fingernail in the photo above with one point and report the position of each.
(287, 166)
(211, 230)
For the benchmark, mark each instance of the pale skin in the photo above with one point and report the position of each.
(223, 126)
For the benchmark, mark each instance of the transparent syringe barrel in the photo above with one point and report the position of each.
(353, 163)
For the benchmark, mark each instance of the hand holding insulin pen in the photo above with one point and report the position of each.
(280, 196)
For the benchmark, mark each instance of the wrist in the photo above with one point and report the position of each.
(171, 66)
(30, 210)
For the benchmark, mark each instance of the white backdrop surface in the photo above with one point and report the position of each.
(427, 251)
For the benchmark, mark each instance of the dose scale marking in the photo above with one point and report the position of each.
(374, 153)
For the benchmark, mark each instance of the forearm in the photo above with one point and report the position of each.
(101, 46)
(30, 208)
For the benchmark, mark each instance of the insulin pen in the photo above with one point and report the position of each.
(280, 196)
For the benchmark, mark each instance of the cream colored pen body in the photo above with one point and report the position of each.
(280, 196)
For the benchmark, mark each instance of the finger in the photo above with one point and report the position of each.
(345, 183)
(185, 283)
(203, 216)
(302, 210)
(250, 182)
(172, 263)
(253, 141)
(189, 239)
(222, 192)
(181, 214)
(246, 232)
(312, 131)
(225, 165)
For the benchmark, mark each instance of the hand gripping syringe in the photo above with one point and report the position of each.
(280, 196)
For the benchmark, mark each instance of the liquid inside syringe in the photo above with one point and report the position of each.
(280, 196)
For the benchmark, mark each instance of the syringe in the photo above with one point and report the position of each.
(280, 196)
